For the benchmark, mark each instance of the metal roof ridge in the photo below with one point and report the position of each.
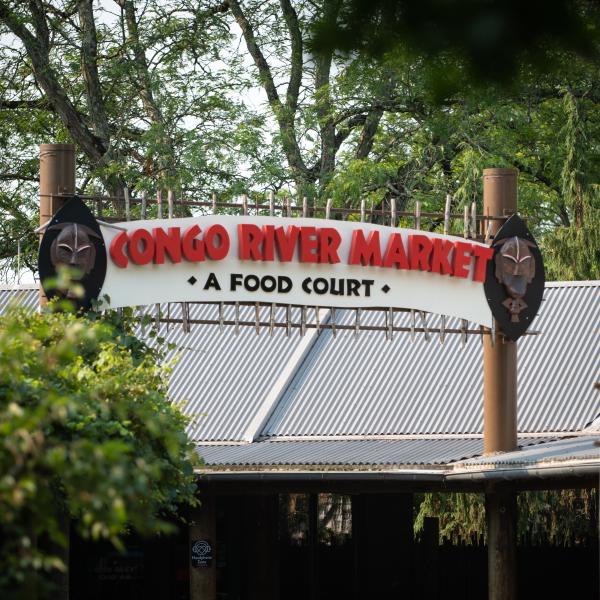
(410, 436)
(15, 287)
(576, 283)
(277, 392)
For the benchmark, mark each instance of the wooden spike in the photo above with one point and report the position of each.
(245, 204)
(171, 203)
(474, 220)
(418, 214)
(143, 209)
(424, 323)
(127, 204)
(363, 214)
(303, 321)
(447, 214)
(464, 325)
(394, 220)
(305, 207)
(158, 204)
(214, 203)
(328, 208)
(466, 222)
(157, 317)
(271, 203)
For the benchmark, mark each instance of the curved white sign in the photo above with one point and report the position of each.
(313, 262)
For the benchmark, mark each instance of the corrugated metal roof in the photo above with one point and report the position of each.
(552, 453)
(372, 453)
(26, 295)
(221, 379)
(368, 386)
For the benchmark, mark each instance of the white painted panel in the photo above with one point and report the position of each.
(168, 282)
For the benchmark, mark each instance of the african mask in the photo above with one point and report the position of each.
(515, 269)
(73, 247)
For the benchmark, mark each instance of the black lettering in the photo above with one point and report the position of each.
(306, 285)
(353, 287)
(212, 282)
(368, 283)
(268, 283)
(320, 286)
(236, 279)
(251, 283)
(284, 284)
(339, 291)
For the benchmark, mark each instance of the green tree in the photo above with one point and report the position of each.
(87, 436)
(549, 517)
(233, 97)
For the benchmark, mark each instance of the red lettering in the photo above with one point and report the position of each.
(192, 248)
(365, 251)
(462, 259)
(116, 249)
(268, 252)
(250, 238)
(440, 259)
(286, 242)
(141, 255)
(395, 254)
(329, 242)
(420, 248)
(482, 254)
(167, 243)
(308, 245)
(214, 250)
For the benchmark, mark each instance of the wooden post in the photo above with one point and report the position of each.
(500, 410)
(499, 359)
(203, 579)
(57, 178)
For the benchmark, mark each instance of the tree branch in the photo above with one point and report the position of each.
(284, 116)
(89, 67)
(38, 52)
(291, 19)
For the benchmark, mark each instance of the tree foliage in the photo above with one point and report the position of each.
(233, 97)
(87, 433)
(550, 517)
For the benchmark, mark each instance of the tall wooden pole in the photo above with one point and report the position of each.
(57, 177)
(500, 411)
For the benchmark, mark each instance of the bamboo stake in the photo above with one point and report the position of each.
(127, 204)
(171, 203)
(447, 214)
(158, 204)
